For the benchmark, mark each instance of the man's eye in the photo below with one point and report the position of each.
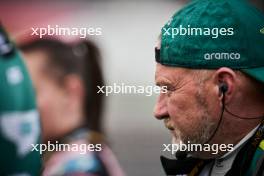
(168, 88)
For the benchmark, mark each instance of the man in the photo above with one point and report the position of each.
(211, 58)
(19, 119)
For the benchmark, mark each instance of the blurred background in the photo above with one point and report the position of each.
(129, 32)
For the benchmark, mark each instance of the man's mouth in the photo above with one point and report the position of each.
(168, 124)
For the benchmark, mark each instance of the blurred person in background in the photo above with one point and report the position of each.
(19, 119)
(66, 78)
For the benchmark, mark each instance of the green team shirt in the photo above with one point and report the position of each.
(19, 119)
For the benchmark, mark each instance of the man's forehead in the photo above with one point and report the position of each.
(169, 73)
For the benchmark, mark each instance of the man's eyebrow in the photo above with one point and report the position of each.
(163, 82)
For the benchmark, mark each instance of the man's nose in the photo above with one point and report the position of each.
(160, 110)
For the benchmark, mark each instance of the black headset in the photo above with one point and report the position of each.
(223, 87)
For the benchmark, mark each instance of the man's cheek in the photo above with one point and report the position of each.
(181, 102)
(182, 121)
(176, 114)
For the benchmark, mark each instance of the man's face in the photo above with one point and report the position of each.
(188, 108)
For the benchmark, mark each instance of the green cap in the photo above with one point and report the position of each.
(209, 34)
(19, 118)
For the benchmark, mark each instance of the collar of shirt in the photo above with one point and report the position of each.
(223, 164)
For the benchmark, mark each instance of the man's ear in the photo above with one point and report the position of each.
(74, 88)
(226, 81)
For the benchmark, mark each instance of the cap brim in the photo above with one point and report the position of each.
(257, 73)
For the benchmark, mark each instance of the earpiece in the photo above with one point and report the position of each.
(223, 87)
